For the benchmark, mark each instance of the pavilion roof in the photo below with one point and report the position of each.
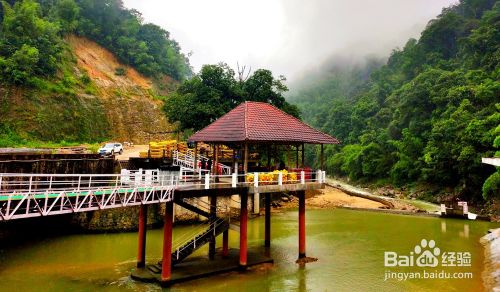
(260, 122)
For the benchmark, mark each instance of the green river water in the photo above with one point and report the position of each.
(349, 245)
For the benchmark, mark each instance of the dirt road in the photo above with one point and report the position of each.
(131, 151)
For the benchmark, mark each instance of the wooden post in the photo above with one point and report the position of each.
(213, 218)
(267, 224)
(166, 263)
(217, 159)
(243, 228)
(195, 159)
(322, 160)
(234, 161)
(288, 163)
(245, 159)
(214, 154)
(268, 158)
(141, 252)
(302, 224)
(303, 155)
(297, 156)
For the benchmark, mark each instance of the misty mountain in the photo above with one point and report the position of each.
(426, 116)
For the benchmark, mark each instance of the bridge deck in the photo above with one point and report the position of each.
(32, 195)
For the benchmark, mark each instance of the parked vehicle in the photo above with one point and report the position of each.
(111, 149)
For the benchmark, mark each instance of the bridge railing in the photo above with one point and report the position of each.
(33, 195)
(36, 183)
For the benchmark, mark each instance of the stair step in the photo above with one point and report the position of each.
(155, 269)
(201, 240)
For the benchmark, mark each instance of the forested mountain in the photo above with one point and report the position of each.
(428, 115)
(31, 39)
(57, 84)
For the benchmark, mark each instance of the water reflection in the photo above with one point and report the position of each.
(462, 234)
(302, 278)
(465, 233)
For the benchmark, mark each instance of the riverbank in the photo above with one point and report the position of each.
(489, 210)
(334, 196)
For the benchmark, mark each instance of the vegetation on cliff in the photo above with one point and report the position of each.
(31, 43)
(49, 93)
(428, 115)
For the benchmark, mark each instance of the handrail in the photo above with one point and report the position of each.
(187, 160)
(188, 243)
(205, 206)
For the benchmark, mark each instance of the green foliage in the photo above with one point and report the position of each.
(120, 71)
(428, 115)
(215, 91)
(29, 44)
(491, 186)
(147, 47)
(20, 66)
(66, 13)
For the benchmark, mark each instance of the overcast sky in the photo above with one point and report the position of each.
(287, 36)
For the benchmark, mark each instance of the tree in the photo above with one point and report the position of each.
(25, 31)
(215, 91)
(67, 13)
(491, 186)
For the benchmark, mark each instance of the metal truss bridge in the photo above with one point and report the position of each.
(34, 195)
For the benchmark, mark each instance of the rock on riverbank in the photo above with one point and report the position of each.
(491, 274)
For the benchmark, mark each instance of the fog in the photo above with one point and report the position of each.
(289, 37)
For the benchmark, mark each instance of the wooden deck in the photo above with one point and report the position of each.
(200, 267)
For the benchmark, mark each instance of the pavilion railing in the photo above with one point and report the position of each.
(254, 179)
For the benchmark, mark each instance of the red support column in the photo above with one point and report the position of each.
(302, 224)
(243, 229)
(141, 252)
(166, 265)
(213, 218)
(225, 243)
(267, 228)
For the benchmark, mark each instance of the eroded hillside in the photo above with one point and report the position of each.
(94, 98)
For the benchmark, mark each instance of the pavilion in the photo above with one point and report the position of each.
(251, 126)
(259, 124)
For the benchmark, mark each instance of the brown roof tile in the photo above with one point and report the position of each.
(260, 122)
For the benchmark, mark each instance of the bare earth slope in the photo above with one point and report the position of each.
(87, 101)
(133, 113)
